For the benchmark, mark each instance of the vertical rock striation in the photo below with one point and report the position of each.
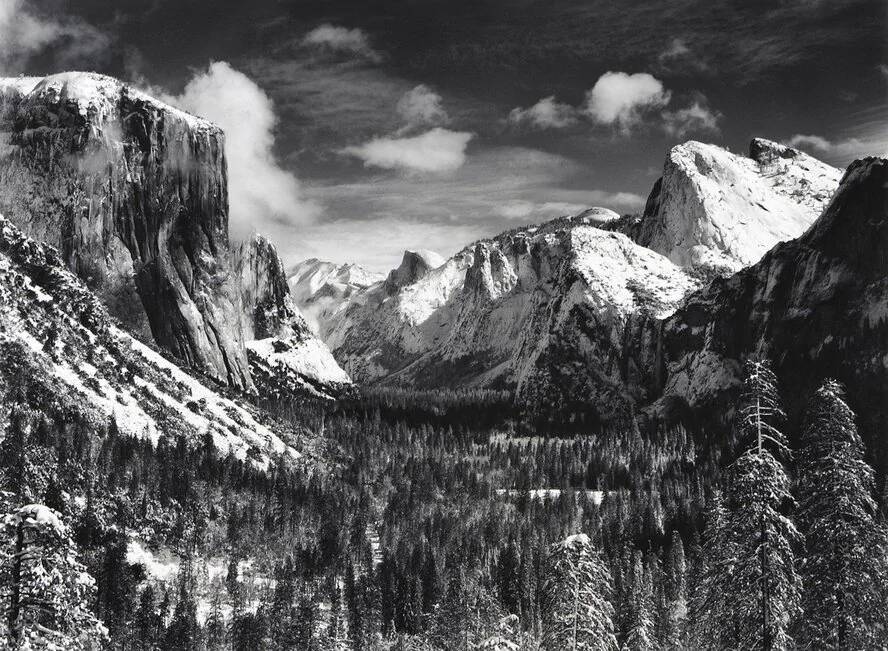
(133, 193)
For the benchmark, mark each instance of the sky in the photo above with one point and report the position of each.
(357, 129)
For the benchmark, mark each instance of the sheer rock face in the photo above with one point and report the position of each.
(719, 212)
(269, 310)
(133, 193)
(285, 355)
(414, 265)
(817, 306)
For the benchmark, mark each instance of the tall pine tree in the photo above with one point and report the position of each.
(577, 612)
(763, 593)
(844, 571)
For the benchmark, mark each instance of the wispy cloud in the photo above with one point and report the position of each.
(260, 191)
(539, 211)
(437, 150)
(842, 150)
(24, 33)
(495, 187)
(678, 57)
(548, 113)
(342, 40)
(696, 118)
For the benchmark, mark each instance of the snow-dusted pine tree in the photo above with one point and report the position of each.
(641, 623)
(844, 571)
(710, 625)
(576, 612)
(763, 593)
(676, 594)
(44, 590)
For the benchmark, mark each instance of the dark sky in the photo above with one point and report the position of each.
(463, 155)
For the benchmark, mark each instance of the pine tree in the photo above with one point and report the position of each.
(148, 621)
(577, 613)
(844, 571)
(215, 624)
(763, 594)
(451, 625)
(676, 594)
(509, 578)
(45, 592)
(711, 625)
(641, 624)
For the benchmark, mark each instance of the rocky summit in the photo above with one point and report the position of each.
(133, 194)
(720, 212)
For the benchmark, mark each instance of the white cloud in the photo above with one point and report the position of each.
(335, 38)
(545, 114)
(259, 190)
(24, 34)
(696, 118)
(838, 150)
(421, 105)
(437, 150)
(620, 99)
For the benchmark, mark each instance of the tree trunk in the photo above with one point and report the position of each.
(14, 616)
(766, 634)
(576, 609)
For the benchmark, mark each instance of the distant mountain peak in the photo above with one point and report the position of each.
(414, 265)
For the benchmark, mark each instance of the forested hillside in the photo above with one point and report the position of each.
(435, 525)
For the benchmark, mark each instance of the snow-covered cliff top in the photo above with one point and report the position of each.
(93, 94)
(713, 208)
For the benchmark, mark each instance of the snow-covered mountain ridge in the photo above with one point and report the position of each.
(134, 195)
(495, 314)
(321, 288)
(61, 349)
(567, 312)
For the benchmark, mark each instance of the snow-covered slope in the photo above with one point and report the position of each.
(538, 310)
(716, 210)
(61, 349)
(321, 288)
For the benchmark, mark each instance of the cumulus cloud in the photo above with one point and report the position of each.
(437, 150)
(839, 150)
(623, 101)
(696, 118)
(421, 106)
(259, 190)
(342, 40)
(24, 33)
(545, 114)
(620, 99)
